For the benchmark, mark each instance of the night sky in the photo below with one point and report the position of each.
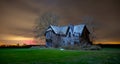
(17, 17)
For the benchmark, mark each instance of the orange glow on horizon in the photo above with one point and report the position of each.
(107, 42)
(23, 41)
(19, 38)
(14, 40)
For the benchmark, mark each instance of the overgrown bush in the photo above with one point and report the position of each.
(95, 47)
(70, 47)
(92, 47)
(88, 47)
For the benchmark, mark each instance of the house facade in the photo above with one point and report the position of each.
(57, 36)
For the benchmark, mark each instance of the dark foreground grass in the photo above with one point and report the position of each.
(56, 56)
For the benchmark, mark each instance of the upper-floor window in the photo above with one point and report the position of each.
(76, 34)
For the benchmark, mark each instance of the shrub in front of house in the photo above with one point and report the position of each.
(88, 47)
(70, 47)
(92, 47)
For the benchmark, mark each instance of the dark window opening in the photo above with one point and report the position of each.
(69, 34)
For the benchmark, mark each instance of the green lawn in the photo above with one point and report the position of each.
(56, 56)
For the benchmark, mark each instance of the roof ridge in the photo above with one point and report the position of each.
(63, 29)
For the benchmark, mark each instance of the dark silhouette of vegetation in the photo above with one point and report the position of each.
(24, 46)
(43, 22)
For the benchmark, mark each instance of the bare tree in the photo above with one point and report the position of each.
(43, 22)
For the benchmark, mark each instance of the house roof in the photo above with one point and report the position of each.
(63, 29)
(58, 30)
(48, 29)
(78, 28)
(55, 29)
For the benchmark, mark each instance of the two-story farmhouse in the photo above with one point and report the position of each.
(57, 36)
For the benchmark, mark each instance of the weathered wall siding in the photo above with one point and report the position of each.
(48, 35)
(56, 39)
(64, 41)
(76, 39)
(85, 35)
(69, 38)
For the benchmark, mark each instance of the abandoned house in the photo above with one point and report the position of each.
(57, 36)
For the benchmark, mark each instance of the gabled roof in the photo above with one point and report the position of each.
(63, 29)
(58, 30)
(55, 29)
(49, 29)
(78, 28)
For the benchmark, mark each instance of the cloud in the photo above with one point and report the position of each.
(17, 17)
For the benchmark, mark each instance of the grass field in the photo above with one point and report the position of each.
(56, 56)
